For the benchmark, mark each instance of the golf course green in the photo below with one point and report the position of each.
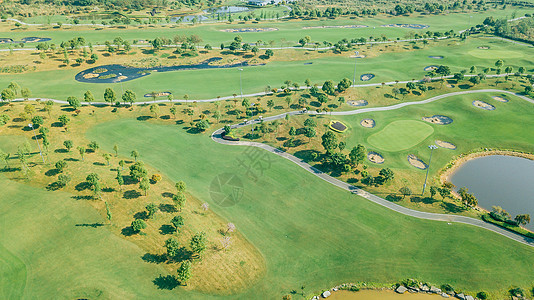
(400, 135)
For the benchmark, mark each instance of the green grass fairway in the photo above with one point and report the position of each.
(12, 274)
(495, 54)
(315, 235)
(400, 135)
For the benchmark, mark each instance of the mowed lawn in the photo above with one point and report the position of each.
(208, 84)
(313, 234)
(48, 250)
(400, 135)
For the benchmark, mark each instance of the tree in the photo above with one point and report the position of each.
(433, 191)
(322, 98)
(310, 123)
(173, 111)
(61, 165)
(144, 185)
(81, 150)
(157, 43)
(269, 53)
(116, 149)
(93, 146)
(270, 104)
(4, 119)
(202, 125)
(25, 93)
(230, 227)
(173, 247)
(135, 154)
(444, 192)
(522, 219)
(109, 96)
(499, 63)
(177, 222)
(119, 178)
(198, 243)
(151, 209)
(357, 154)
(292, 131)
(8, 95)
(68, 145)
(5, 157)
(405, 191)
(88, 97)
(64, 120)
(343, 85)
(138, 225)
(37, 121)
(329, 141)
(184, 272)
(62, 180)
(328, 87)
(387, 174)
(180, 186)
(129, 97)
(106, 157)
(310, 133)
(138, 171)
(179, 200)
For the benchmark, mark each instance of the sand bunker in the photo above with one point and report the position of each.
(357, 56)
(483, 105)
(368, 123)
(367, 77)
(446, 145)
(90, 75)
(450, 85)
(339, 26)
(249, 29)
(430, 68)
(158, 94)
(121, 78)
(409, 26)
(483, 47)
(357, 102)
(438, 119)
(375, 157)
(436, 57)
(501, 99)
(417, 162)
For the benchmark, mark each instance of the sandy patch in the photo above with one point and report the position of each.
(334, 26)
(357, 56)
(438, 119)
(450, 86)
(375, 157)
(249, 29)
(357, 102)
(483, 105)
(368, 123)
(90, 75)
(501, 99)
(159, 94)
(416, 162)
(446, 145)
(121, 78)
(483, 47)
(367, 77)
(430, 68)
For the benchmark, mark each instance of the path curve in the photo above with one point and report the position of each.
(217, 137)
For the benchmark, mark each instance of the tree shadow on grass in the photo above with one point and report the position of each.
(61, 150)
(142, 215)
(168, 282)
(131, 194)
(86, 197)
(143, 118)
(52, 172)
(93, 225)
(154, 258)
(452, 207)
(425, 200)
(108, 190)
(393, 198)
(166, 229)
(167, 195)
(307, 155)
(84, 185)
(8, 170)
(128, 231)
(167, 208)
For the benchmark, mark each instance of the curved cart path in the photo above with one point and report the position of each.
(216, 136)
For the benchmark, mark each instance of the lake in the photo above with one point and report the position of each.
(499, 180)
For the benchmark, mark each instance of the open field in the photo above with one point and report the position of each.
(289, 30)
(205, 84)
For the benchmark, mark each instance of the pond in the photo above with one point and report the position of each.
(499, 180)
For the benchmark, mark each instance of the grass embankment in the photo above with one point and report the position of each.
(514, 228)
(206, 84)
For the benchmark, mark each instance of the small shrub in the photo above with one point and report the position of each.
(482, 295)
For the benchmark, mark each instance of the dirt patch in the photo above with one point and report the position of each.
(501, 99)
(483, 47)
(375, 157)
(368, 123)
(357, 102)
(430, 68)
(158, 94)
(417, 162)
(483, 105)
(438, 119)
(446, 145)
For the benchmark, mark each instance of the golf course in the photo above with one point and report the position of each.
(284, 151)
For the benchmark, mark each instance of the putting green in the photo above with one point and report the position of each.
(400, 135)
(495, 54)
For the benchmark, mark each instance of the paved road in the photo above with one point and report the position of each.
(216, 136)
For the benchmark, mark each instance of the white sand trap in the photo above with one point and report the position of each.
(446, 145)
(375, 157)
(501, 99)
(430, 68)
(416, 162)
(357, 56)
(121, 78)
(90, 75)
(483, 47)
(368, 123)
(450, 86)
(483, 105)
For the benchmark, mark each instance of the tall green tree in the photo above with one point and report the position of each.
(109, 96)
(184, 272)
